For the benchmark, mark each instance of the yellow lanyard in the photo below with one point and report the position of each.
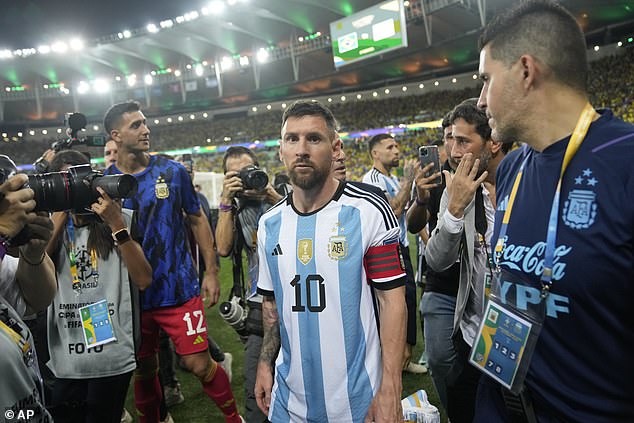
(22, 343)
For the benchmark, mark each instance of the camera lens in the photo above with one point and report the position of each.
(52, 191)
(116, 186)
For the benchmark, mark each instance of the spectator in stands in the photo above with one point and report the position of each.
(384, 151)
(173, 301)
(566, 245)
(110, 153)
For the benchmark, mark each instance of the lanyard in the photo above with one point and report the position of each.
(21, 342)
(76, 283)
(581, 129)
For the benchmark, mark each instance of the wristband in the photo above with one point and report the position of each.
(225, 207)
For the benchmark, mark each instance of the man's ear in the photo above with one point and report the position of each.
(530, 71)
(116, 136)
(495, 147)
(337, 145)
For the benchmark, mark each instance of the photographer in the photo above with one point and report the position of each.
(27, 285)
(240, 210)
(96, 259)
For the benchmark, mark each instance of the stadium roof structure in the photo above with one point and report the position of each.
(190, 54)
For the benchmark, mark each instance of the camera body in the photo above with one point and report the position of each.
(235, 315)
(253, 178)
(76, 122)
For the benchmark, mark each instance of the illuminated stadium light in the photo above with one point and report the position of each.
(169, 120)
(131, 80)
(404, 88)
(177, 73)
(254, 109)
(101, 86)
(95, 127)
(156, 121)
(256, 142)
(629, 40)
(168, 23)
(180, 19)
(83, 87)
(454, 80)
(300, 39)
(421, 86)
(148, 79)
(343, 98)
(199, 70)
(152, 28)
(4, 135)
(226, 63)
(359, 96)
(192, 117)
(5, 54)
(180, 118)
(268, 107)
(76, 44)
(205, 115)
(44, 132)
(375, 94)
(7, 89)
(45, 86)
(244, 61)
(189, 66)
(190, 16)
(232, 2)
(153, 73)
(406, 3)
(436, 83)
(205, 11)
(227, 139)
(205, 63)
(217, 7)
(619, 44)
(329, 100)
(596, 48)
(387, 91)
(475, 76)
(283, 105)
(127, 34)
(208, 140)
(64, 90)
(120, 35)
(59, 47)
(262, 55)
(20, 134)
(44, 49)
(31, 132)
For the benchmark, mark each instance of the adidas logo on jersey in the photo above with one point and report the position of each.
(199, 340)
(277, 251)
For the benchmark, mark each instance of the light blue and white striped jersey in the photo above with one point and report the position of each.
(329, 367)
(391, 187)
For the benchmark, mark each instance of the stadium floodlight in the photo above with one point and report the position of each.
(59, 47)
(169, 120)
(189, 66)
(421, 86)
(208, 140)
(227, 139)
(180, 118)
(244, 61)
(475, 76)
(375, 94)
(59, 130)
(5, 54)
(300, 39)
(226, 63)
(44, 131)
(205, 115)
(454, 80)
(205, 11)
(232, 2)
(192, 117)
(148, 79)
(262, 55)
(268, 107)
(101, 86)
(7, 89)
(127, 33)
(619, 44)
(329, 99)
(20, 134)
(177, 73)
(95, 127)
(436, 83)
(44, 49)
(168, 23)
(31, 132)
(156, 121)
(217, 7)
(180, 19)
(387, 91)
(404, 88)
(120, 35)
(254, 109)
(76, 44)
(4, 135)
(152, 28)
(343, 98)
(153, 73)
(283, 105)
(131, 80)
(83, 87)
(596, 48)
(190, 16)
(359, 96)
(406, 3)
(199, 70)
(205, 63)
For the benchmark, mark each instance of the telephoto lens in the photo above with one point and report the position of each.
(254, 178)
(234, 314)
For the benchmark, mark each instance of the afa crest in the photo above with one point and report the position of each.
(337, 247)
(580, 209)
(305, 250)
(161, 190)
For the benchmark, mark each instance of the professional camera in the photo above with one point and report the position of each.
(235, 315)
(254, 178)
(74, 189)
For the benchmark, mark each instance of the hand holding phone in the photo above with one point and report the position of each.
(429, 154)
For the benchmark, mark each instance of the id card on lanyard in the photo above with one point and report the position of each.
(507, 336)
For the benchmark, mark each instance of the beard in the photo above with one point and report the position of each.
(310, 180)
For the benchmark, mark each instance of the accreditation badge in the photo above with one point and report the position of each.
(95, 320)
(507, 335)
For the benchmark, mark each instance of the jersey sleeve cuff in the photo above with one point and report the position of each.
(265, 292)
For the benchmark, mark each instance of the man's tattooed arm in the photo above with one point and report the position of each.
(271, 341)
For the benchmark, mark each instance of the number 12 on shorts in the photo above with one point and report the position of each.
(200, 328)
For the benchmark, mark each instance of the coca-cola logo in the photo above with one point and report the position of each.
(531, 259)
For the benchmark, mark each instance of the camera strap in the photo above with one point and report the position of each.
(72, 258)
(20, 341)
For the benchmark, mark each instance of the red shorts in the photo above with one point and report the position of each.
(185, 324)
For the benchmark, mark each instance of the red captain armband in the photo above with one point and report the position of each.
(384, 263)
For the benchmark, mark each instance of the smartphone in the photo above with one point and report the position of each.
(429, 154)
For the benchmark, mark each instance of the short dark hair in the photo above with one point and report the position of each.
(545, 30)
(446, 121)
(113, 115)
(302, 108)
(375, 139)
(67, 157)
(236, 152)
(473, 115)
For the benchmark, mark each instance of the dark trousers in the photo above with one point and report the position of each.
(96, 400)
(462, 384)
(410, 297)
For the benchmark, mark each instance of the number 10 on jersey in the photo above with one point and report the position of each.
(311, 285)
